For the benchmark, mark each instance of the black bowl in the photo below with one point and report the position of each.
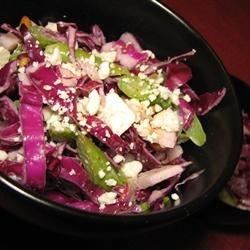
(219, 214)
(162, 31)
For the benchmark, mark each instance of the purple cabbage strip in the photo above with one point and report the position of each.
(98, 36)
(9, 28)
(159, 194)
(31, 46)
(177, 75)
(182, 57)
(189, 178)
(207, 101)
(59, 97)
(68, 201)
(12, 169)
(57, 36)
(102, 132)
(127, 55)
(10, 135)
(93, 40)
(6, 76)
(8, 110)
(74, 172)
(153, 66)
(130, 38)
(139, 149)
(157, 175)
(187, 113)
(88, 86)
(187, 90)
(31, 118)
(72, 42)
(9, 132)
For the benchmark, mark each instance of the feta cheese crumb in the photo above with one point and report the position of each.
(175, 96)
(51, 26)
(132, 168)
(93, 102)
(157, 108)
(167, 120)
(4, 56)
(54, 58)
(150, 53)
(72, 172)
(101, 174)
(106, 56)
(116, 113)
(3, 155)
(187, 98)
(175, 196)
(143, 67)
(62, 94)
(47, 87)
(104, 70)
(107, 198)
(58, 81)
(111, 182)
(118, 158)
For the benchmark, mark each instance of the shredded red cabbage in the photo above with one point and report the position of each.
(54, 94)
(33, 137)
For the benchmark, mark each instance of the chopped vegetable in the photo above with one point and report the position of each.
(96, 125)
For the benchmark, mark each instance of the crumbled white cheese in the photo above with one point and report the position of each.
(51, 26)
(116, 113)
(73, 68)
(3, 155)
(175, 96)
(164, 92)
(132, 168)
(62, 94)
(81, 106)
(107, 198)
(101, 173)
(4, 56)
(157, 108)
(35, 65)
(72, 172)
(187, 98)
(47, 87)
(118, 158)
(56, 82)
(142, 110)
(175, 196)
(111, 182)
(108, 56)
(104, 70)
(54, 58)
(150, 53)
(93, 102)
(167, 120)
(143, 67)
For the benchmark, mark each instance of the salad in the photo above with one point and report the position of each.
(96, 125)
(237, 191)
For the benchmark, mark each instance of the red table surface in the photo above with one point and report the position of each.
(225, 25)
